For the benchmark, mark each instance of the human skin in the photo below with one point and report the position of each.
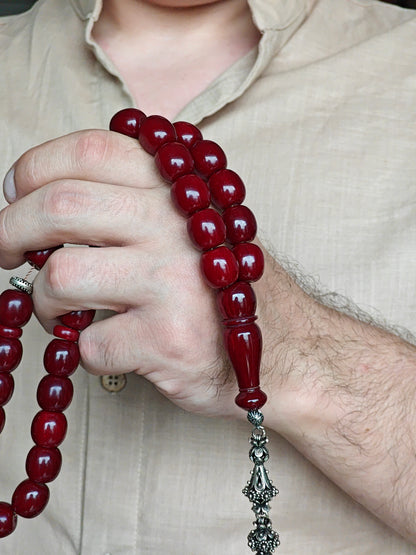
(340, 390)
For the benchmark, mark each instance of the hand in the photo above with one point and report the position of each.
(101, 189)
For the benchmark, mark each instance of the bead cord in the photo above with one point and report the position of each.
(54, 393)
(210, 195)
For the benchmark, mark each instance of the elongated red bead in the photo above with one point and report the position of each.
(219, 267)
(54, 393)
(208, 157)
(37, 259)
(63, 332)
(30, 498)
(6, 388)
(16, 308)
(187, 133)
(49, 428)
(173, 160)
(227, 189)
(206, 229)
(154, 132)
(237, 301)
(8, 519)
(43, 463)
(10, 354)
(127, 122)
(250, 260)
(14, 333)
(189, 194)
(78, 319)
(61, 357)
(240, 223)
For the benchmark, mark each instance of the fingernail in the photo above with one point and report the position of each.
(9, 188)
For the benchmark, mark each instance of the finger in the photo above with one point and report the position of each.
(91, 155)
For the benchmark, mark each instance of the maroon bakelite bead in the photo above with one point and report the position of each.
(237, 301)
(250, 260)
(54, 393)
(240, 223)
(173, 160)
(208, 157)
(187, 133)
(8, 519)
(16, 308)
(2, 419)
(43, 463)
(37, 259)
(251, 399)
(6, 388)
(14, 333)
(49, 428)
(190, 193)
(127, 122)
(206, 229)
(219, 267)
(30, 498)
(10, 354)
(78, 319)
(154, 132)
(61, 357)
(227, 189)
(64, 332)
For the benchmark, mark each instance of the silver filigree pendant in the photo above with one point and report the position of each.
(260, 490)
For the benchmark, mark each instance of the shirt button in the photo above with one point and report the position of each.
(113, 384)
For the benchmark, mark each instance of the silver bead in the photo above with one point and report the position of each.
(21, 284)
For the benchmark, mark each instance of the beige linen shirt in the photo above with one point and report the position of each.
(320, 121)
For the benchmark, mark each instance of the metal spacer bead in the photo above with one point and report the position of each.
(21, 284)
(255, 417)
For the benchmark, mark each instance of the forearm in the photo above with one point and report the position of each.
(343, 393)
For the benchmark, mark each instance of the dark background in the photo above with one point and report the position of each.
(8, 7)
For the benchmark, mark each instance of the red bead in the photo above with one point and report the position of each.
(2, 419)
(43, 463)
(48, 428)
(219, 267)
(16, 308)
(8, 519)
(209, 157)
(6, 388)
(154, 132)
(127, 122)
(30, 498)
(54, 393)
(14, 333)
(66, 333)
(78, 319)
(206, 229)
(173, 160)
(227, 189)
(250, 260)
(237, 301)
(10, 354)
(187, 133)
(251, 399)
(37, 259)
(61, 357)
(190, 193)
(240, 223)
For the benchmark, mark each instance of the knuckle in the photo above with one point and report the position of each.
(59, 272)
(61, 201)
(99, 354)
(92, 147)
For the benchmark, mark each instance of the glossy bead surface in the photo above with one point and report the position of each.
(78, 319)
(206, 229)
(190, 193)
(10, 332)
(240, 223)
(187, 133)
(6, 388)
(154, 132)
(10, 354)
(227, 189)
(63, 332)
(2, 419)
(30, 498)
(173, 160)
(208, 157)
(54, 393)
(127, 122)
(237, 301)
(37, 259)
(219, 267)
(61, 357)
(251, 399)
(250, 260)
(43, 463)
(48, 428)
(16, 308)
(8, 519)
